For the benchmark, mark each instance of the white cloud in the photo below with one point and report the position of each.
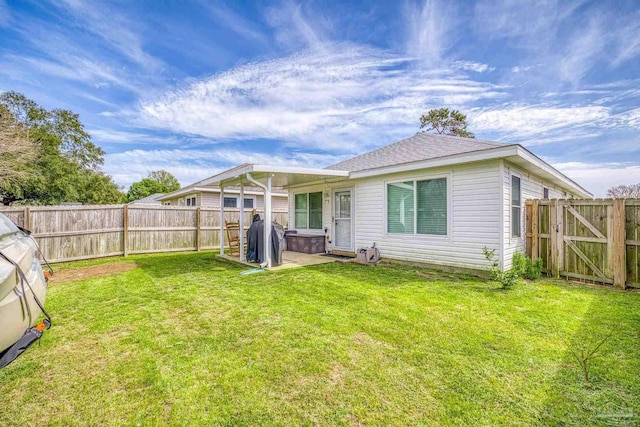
(113, 27)
(69, 67)
(431, 29)
(476, 67)
(535, 123)
(226, 17)
(294, 29)
(349, 99)
(599, 177)
(582, 51)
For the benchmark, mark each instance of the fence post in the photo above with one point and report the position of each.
(560, 234)
(553, 226)
(26, 220)
(534, 230)
(198, 230)
(125, 230)
(619, 244)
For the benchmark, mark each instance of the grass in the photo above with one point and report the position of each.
(186, 340)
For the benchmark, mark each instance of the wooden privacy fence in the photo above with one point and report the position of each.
(67, 233)
(596, 240)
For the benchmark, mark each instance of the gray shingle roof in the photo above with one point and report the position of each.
(421, 146)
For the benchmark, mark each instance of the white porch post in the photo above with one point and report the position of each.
(242, 253)
(221, 220)
(267, 222)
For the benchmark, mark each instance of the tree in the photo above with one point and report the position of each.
(17, 150)
(158, 182)
(167, 180)
(447, 122)
(67, 165)
(624, 191)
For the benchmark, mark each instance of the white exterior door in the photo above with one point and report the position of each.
(342, 212)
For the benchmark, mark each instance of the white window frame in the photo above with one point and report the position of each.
(230, 197)
(255, 204)
(544, 188)
(238, 201)
(192, 201)
(414, 179)
(511, 205)
(309, 230)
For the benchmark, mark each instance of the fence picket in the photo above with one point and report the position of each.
(580, 226)
(67, 233)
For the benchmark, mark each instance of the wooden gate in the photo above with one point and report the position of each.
(584, 239)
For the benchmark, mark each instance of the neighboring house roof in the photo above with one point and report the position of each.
(153, 199)
(421, 146)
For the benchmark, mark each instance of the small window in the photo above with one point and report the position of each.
(516, 208)
(191, 201)
(248, 204)
(308, 211)
(230, 202)
(545, 193)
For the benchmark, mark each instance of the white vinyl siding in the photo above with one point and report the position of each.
(472, 211)
(531, 187)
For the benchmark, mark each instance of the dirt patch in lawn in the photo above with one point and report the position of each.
(82, 273)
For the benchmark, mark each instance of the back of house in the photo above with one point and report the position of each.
(432, 199)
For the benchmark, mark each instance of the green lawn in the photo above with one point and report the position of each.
(186, 340)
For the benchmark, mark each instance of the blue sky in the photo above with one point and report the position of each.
(198, 87)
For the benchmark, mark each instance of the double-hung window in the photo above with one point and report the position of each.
(308, 211)
(417, 207)
(516, 208)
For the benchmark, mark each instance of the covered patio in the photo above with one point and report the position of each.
(269, 177)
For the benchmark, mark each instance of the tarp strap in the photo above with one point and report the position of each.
(28, 233)
(23, 281)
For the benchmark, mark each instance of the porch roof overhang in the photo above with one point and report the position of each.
(281, 176)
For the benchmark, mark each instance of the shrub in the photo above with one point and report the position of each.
(506, 278)
(526, 267)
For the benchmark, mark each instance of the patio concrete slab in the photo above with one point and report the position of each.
(289, 260)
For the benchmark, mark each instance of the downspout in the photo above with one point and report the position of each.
(222, 227)
(267, 217)
(504, 220)
(242, 233)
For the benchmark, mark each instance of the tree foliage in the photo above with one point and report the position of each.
(157, 182)
(624, 191)
(446, 122)
(67, 165)
(17, 150)
(165, 179)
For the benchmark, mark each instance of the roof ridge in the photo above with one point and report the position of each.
(416, 146)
